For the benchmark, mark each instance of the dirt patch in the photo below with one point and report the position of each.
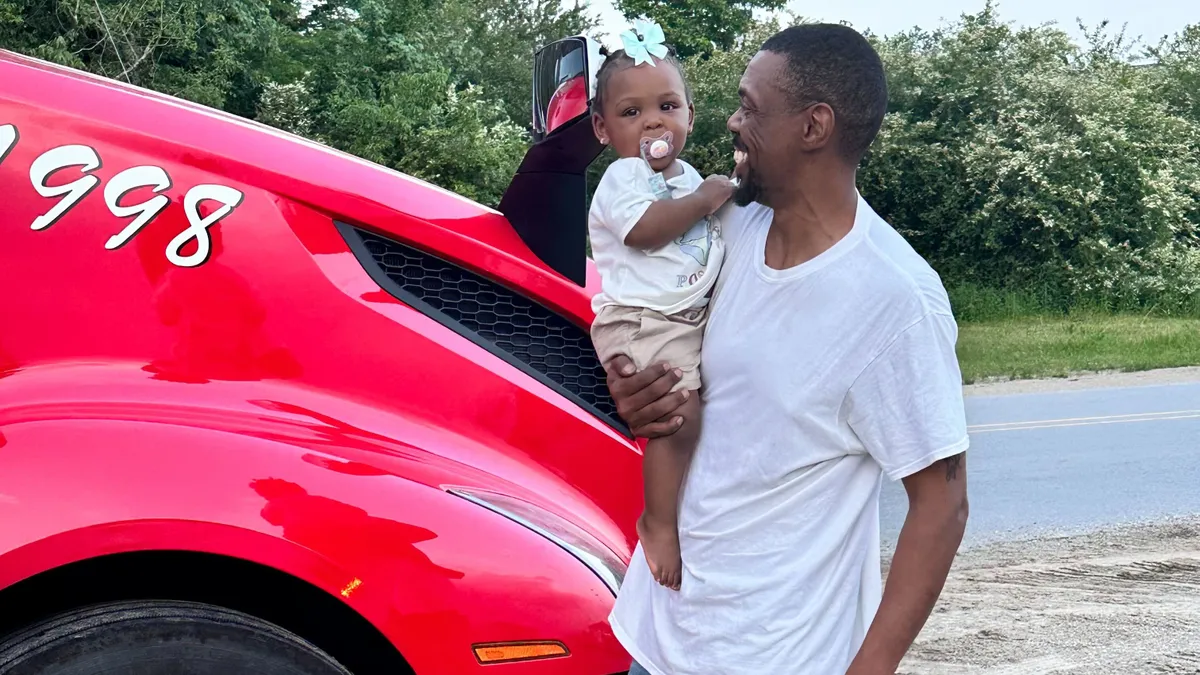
(1081, 381)
(1121, 601)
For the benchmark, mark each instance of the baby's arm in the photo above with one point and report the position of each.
(667, 219)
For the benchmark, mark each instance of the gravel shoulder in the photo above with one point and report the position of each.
(1082, 381)
(1123, 600)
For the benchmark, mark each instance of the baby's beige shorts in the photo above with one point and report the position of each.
(647, 336)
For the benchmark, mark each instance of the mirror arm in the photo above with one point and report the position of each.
(546, 202)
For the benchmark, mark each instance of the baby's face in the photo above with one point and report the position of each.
(645, 102)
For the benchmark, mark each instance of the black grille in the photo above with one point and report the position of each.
(506, 323)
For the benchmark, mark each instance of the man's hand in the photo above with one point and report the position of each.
(717, 190)
(644, 399)
(929, 540)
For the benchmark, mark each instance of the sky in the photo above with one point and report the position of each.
(1151, 19)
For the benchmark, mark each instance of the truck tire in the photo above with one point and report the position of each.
(160, 638)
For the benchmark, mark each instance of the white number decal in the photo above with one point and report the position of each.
(126, 181)
(54, 160)
(84, 157)
(198, 226)
(8, 139)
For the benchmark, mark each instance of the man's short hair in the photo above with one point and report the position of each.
(835, 65)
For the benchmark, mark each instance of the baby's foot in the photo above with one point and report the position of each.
(661, 546)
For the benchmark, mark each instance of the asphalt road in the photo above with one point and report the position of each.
(1074, 461)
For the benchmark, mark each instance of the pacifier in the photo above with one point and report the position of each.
(653, 149)
(657, 148)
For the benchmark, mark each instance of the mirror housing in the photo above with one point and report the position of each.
(546, 202)
(564, 82)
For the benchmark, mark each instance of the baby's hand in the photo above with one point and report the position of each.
(717, 190)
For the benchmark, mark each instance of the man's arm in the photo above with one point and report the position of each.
(907, 409)
(929, 539)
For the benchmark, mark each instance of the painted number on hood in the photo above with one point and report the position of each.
(8, 140)
(84, 160)
(128, 181)
(55, 160)
(197, 226)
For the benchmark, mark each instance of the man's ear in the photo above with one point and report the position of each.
(598, 129)
(817, 131)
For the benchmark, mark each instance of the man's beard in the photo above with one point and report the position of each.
(748, 190)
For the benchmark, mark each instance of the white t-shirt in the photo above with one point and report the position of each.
(668, 279)
(819, 380)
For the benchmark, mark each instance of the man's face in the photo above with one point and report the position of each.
(764, 128)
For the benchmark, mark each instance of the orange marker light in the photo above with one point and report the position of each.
(351, 587)
(507, 652)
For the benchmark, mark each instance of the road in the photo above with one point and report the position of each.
(1073, 461)
(1082, 554)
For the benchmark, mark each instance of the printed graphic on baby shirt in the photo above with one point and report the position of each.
(697, 241)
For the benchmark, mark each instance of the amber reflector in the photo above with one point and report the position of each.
(507, 652)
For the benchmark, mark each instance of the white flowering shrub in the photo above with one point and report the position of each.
(1015, 159)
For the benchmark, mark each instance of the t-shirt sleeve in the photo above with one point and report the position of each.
(906, 407)
(622, 197)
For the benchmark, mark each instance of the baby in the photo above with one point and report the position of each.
(658, 250)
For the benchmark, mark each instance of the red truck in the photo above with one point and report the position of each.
(267, 408)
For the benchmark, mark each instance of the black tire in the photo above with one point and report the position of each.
(160, 638)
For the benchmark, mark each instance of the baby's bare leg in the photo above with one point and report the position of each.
(665, 463)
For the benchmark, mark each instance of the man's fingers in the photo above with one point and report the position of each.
(636, 385)
(645, 404)
(665, 408)
(658, 429)
(624, 379)
(659, 410)
(644, 399)
(621, 365)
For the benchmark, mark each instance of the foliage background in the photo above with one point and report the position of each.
(1038, 174)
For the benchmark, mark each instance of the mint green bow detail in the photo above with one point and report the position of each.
(650, 43)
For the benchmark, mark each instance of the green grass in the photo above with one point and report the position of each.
(1056, 346)
(974, 303)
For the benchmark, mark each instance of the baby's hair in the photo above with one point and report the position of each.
(617, 61)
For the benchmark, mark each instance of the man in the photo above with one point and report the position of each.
(828, 361)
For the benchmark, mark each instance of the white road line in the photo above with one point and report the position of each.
(1084, 421)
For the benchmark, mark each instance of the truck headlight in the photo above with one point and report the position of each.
(568, 536)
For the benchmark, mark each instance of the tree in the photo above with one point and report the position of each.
(422, 124)
(490, 43)
(379, 81)
(208, 51)
(697, 27)
(714, 83)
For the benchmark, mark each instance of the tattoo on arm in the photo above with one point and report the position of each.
(952, 466)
